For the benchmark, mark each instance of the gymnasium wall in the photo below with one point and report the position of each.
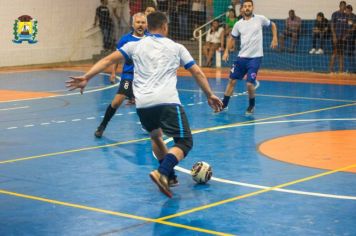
(62, 26)
(278, 9)
(61, 31)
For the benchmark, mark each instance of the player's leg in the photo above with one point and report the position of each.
(174, 123)
(237, 72)
(253, 67)
(125, 89)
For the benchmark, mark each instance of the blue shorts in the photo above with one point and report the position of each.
(243, 66)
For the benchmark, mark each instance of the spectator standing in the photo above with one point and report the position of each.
(183, 13)
(164, 6)
(320, 31)
(338, 29)
(350, 38)
(198, 16)
(103, 15)
(121, 17)
(292, 29)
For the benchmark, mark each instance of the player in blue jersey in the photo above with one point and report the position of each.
(139, 25)
(250, 55)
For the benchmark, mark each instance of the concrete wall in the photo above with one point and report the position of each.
(306, 9)
(62, 26)
(278, 9)
(61, 35)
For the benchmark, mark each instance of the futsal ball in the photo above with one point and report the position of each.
(201, 172)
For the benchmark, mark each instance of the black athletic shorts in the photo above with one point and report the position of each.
(125, 88)
(170, 118)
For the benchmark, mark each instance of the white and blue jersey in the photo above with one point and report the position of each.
(156, 59)
(250, 55)
(128, 68)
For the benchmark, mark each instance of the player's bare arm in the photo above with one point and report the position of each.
(274, 42)
(80, 82)
(229, 44)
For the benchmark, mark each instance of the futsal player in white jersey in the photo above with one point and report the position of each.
(250, 55)
(156, 60)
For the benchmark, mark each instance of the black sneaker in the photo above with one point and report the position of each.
(250, 110)
(173, 181)
(99, 131)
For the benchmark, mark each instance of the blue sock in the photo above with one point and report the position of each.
(225, 101)
(168, 164)
(172, 175)
(251, 102)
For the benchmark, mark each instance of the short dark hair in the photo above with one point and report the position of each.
(247, 1)
(321, 14)
(156, 20)
(349, 7)
(343, 2)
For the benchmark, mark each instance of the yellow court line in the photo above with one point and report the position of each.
(270, 118)
(280, 96)
(255, 193)
(194, 132)
(108, 212)
(74, 150)
(162, 219)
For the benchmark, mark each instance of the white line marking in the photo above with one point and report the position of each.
(14, 127)
(186, 171)
(63, 95)
(190, 104)
(13, 108)
(131, 112)
(278, 190)
(119, 114)
(90, 118)
(61, 121)
(26, 126)
(75, 120)
(276, 96)
(45, 123)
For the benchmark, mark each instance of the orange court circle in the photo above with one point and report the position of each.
(324, 150)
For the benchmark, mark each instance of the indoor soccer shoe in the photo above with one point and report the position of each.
(99, 131)
(173, 182)
(162, 182)
(249, 110)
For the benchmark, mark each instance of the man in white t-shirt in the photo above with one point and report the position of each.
(156, 60)
(250, 55)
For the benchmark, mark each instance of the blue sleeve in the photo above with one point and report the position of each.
(121, 42)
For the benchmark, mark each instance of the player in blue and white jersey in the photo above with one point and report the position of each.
(250, 55)
(139, 25)
(156, 60)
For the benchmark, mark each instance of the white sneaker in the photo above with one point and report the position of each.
(320, 51)
(312, 51)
